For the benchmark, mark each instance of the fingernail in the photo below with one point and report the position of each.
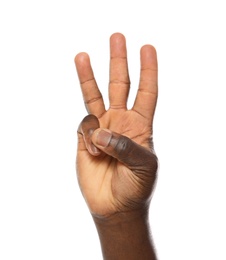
(94, 149)
(103, 138)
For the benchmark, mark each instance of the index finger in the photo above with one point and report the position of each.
(91, 94)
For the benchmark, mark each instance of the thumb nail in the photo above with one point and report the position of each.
(103, 138)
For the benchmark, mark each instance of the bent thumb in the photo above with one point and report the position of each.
(136, 157)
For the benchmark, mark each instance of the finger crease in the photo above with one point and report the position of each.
(92, 100)
(118, 82)
(116, 57)
(117, 107)
(140, 114)
(99, 116)
(148, 92)
(143, 69)
(88, 80)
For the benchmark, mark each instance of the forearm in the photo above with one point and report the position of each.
(126, 236)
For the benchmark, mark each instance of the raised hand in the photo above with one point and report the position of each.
(116, 164)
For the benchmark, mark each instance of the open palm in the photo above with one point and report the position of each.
(117, 167)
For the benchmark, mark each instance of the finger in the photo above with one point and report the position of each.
(92, 96)
(146, 98)
(119, 77)
(86, 128)
(136, 157)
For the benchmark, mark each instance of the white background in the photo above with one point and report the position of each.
(42, 213)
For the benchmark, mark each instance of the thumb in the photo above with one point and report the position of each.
(136, 157)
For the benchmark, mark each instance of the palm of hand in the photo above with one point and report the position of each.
(107, 184)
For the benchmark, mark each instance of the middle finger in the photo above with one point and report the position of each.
(119, 76)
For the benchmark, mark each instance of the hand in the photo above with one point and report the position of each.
(116, 163)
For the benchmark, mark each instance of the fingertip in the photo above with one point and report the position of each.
(87, 127)
(148, 49)
(117, 36)
(118, 45)
(81, 58)
(83, 66)
(148, 57)
(89, 122)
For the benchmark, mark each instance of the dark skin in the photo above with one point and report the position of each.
(116, 163)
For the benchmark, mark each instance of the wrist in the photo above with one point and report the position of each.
(121, 218)
(125, 235)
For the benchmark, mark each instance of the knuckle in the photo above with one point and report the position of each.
(122, 146)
